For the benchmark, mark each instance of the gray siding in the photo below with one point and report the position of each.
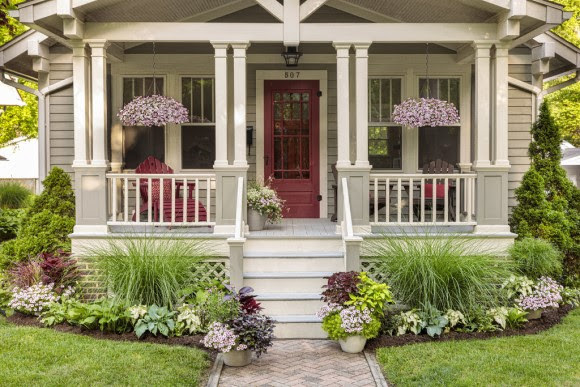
(61, 120)
(520, 121)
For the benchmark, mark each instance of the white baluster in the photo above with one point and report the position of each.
(411, 200)
(149, 201)
(172, 200)
(114, 185)
(138, 200)
(161, 199)
(388, 200)
(445, 202)
(126, 209)
(196, 200)
(399, 205)
(185, 189)
(376, 204)
(422, 200)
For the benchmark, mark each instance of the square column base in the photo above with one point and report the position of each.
(226, 190)
(492, 198)
(91, 199)
(358, 190)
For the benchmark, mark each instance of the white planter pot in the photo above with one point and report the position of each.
(256, 222)
(353, 344)
(534, 314)
(238, 358)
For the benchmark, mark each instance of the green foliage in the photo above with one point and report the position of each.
(570, 296)
(68, 310)
(188, 321)
(9, 223)
(47, 223)
(13, 195)
(429, 320)
(212, 306)
(332, 324)
(20, 121)
(517, 286)
(516, 318)
(145, 271)
(445, 273)
(536, 258)
(105, 315)
(479, 320)
(370, 295)
(157, 320)
(548, 203)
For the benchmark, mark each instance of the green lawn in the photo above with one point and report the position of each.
(36, 356)
(551, 358)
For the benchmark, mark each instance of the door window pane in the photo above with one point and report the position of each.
(438, 143)
(385, 145)
(140, 142)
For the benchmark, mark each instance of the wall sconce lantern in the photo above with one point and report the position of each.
(291, 56)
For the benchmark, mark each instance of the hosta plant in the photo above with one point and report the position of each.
(188, 321)
(454, 317)
(516, 318)
(518, 286)
(105, 315)
(157, 320)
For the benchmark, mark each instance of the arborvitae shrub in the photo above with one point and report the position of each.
(47, 223)
(548, 203)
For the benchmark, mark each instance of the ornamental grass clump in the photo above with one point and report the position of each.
(444, 273)
(536, 258)
(146, 271)
(13, 195)
(264, 200)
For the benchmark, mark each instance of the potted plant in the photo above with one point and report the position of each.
(263, 205)
(355, 306)
(239, 336)
(546, 294)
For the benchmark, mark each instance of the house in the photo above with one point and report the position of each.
(19, 162)
(252, 117)
(571, 162)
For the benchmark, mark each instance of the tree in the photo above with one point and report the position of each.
(548, 203)
(565, 103)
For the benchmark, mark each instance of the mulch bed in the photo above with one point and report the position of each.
(187, 341)
(549, 318)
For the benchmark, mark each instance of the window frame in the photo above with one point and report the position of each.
(462, 109)
(120, 96)
(180, 78)
(388, 124)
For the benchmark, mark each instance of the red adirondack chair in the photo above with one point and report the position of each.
(440, 167)
(151, 165)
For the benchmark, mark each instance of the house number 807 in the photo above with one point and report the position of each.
(292, 74)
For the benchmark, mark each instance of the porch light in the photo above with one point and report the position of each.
(291, 56)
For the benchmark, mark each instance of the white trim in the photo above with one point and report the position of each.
(322, 77)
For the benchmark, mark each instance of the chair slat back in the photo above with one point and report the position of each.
(438, 167)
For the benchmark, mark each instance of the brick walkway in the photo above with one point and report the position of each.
(302, 363)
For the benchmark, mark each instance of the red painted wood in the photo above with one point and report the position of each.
(291, 139)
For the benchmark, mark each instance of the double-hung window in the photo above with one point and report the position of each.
(440, 142)
(198, 136)
(139, 142)
(385, 137)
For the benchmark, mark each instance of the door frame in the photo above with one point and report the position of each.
(305, 75)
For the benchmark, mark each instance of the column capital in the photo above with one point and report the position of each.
(362, 48)
(240, 46)
(501, 50)
(341, 46)
(219, 44)
(482, 49)
(98, 43)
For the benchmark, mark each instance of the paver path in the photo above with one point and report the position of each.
(302, 363)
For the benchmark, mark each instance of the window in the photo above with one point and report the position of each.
(440, 142)
(198, 136)
(385, 137)
(139, 142)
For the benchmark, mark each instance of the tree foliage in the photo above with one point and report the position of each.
(548, 203)
(565, 103)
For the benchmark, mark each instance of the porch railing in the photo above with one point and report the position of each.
(161, 199)
(422, 199)
(346, 226)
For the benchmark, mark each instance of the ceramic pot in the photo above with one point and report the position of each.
(534, 314)
(238, 358)
(256, 222)
(353, 344)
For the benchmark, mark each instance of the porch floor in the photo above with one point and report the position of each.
(298, 228)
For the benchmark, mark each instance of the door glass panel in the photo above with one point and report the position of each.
(277, 111)
(291, 153)
(305, 153)
(277, 96)
(295, 96)
(278, 154)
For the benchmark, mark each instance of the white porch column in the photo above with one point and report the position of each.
(99, 100)
(500, 144)
(362, 114)
(342, 103)
(221, 104)
(81, 87)
(482, 104)
(240, 103)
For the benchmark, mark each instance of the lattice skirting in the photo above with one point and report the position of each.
(373, 269)
(213, 269)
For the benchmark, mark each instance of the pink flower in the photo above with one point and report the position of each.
(154, 110)
(425, 112)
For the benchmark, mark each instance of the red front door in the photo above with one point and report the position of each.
(291, 144)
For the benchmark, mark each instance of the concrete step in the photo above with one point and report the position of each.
(298, 327)
(293, 262)
(286, 282)
(293, 245)
(287, 304)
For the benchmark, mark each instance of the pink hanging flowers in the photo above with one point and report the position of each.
(153, 110)
(421, 112)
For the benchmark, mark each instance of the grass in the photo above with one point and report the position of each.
(13, 195)
(550, 358)
(447, 273)
(42, 357)
(536, 258)
(148, 271)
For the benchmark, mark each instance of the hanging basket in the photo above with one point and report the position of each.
(416, 113)
(153, 110)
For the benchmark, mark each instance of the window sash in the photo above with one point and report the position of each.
(199, 99)
(384, 93)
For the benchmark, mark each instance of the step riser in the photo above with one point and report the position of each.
(293, 245)
(287, 307)
(285, 285)
(293, 264)
(299, 331)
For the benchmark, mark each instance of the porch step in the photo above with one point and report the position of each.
(290, 304)
(293, 244)
(286, 282)
(298, 327)
(294, 262)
